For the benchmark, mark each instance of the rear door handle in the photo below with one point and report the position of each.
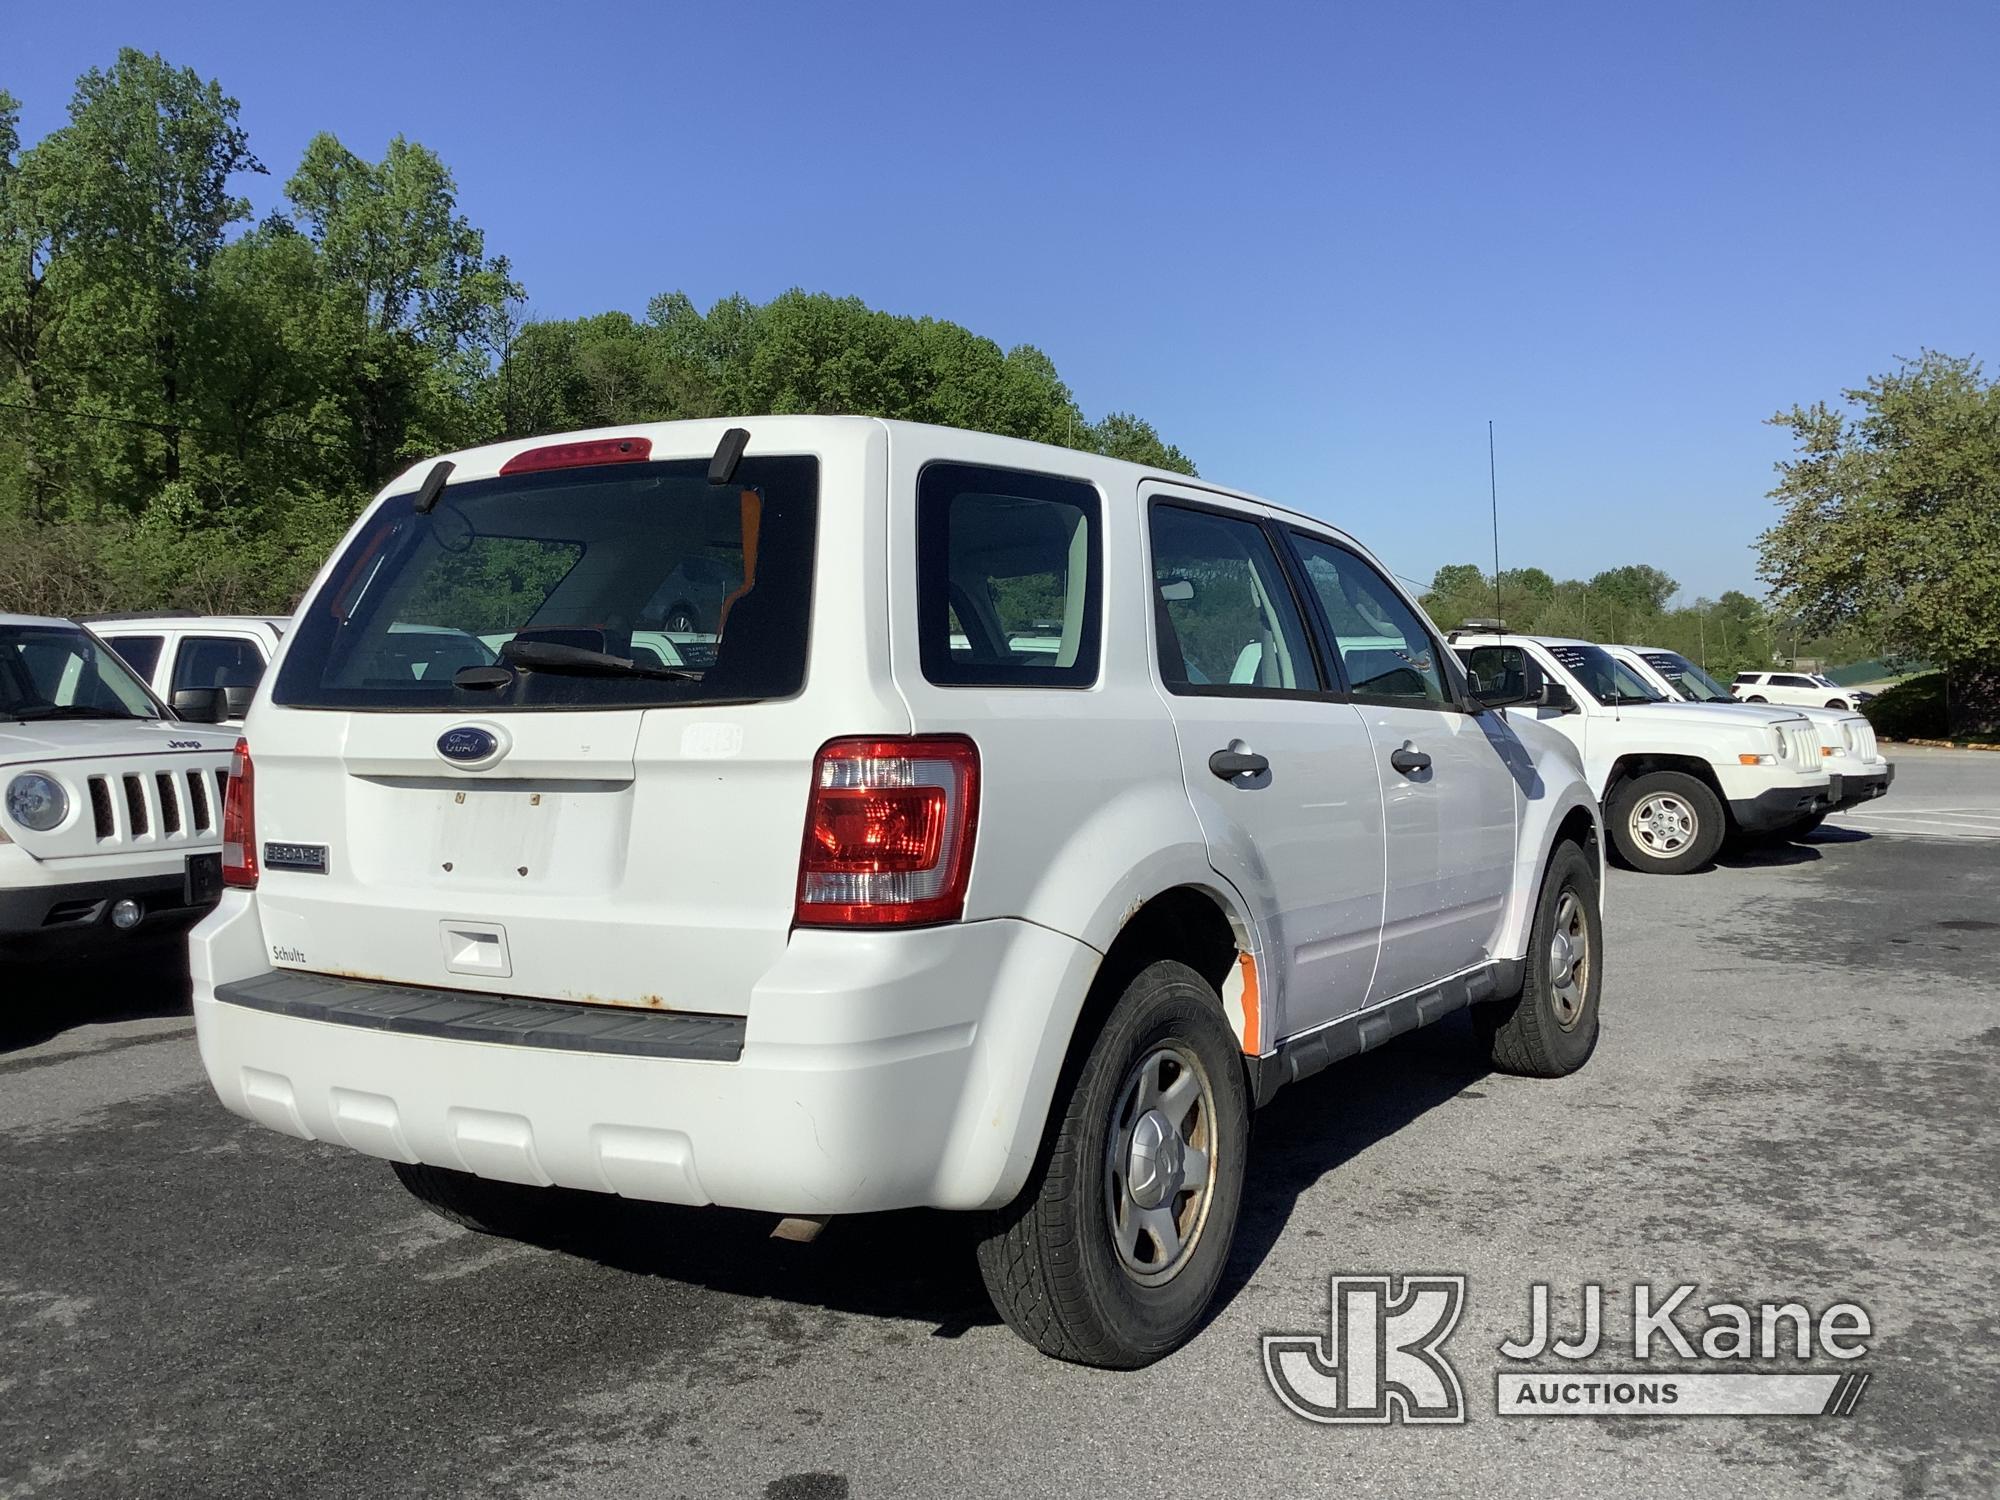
(1230, 764)
(1407, 761)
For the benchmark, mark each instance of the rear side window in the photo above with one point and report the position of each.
(140, 652)
(1223, 612)
(634, 585)
(1008, 568)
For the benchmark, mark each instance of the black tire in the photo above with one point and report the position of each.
(1052, 1260)
(1550, 1028)
(1805, 826)
(1680, 799)
(681, 619)
(502, 1208)
(1836, 703)
(1756, 698)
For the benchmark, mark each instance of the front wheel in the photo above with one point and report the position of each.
(1113, 1250)
(1550, 1028)
(1836, 703)
(1756, 698)
(1666, 823)
(1805, 826)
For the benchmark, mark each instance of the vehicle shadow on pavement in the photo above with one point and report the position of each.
(919, 1266)
(1315, 1127)
(1766, 856)
(45, 997)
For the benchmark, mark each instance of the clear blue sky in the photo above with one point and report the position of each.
(1319, 246)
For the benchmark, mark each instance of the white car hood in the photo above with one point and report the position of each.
(44, 741)
(1750, 715)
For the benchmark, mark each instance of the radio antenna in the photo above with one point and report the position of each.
(1493, 492)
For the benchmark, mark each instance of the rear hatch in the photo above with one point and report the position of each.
(551, 737)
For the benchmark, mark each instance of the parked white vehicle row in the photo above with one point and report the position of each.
(1675, 779)
(110, 808)
(1008, 824)
(1856, 769)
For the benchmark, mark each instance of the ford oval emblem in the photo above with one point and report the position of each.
(468, 745)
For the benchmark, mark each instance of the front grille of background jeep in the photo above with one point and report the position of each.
(157, 807)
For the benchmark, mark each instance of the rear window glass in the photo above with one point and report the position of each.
(628, 585)
(1007, 570)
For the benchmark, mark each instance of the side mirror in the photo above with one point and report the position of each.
(1554, 695)
(199, 705)
(236, 701)
(1177, 590)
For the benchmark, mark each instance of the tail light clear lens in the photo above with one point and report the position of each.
(889, 832)
(239, 821)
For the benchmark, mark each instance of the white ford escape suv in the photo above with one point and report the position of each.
(1014, 823)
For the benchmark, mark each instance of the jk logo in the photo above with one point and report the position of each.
(1380, 1360)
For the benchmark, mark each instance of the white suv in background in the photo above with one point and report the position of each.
(1855, 766)
(1801, 689)
(110, 808)
(1011, 825)
(186, 658)
(1675, 780)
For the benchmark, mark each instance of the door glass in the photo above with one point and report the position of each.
(217, 661)
(1226, 620)
(1387, 653)
(141, 652)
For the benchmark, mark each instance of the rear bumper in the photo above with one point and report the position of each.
(876, 1071)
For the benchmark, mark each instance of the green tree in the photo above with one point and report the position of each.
(1891, 522)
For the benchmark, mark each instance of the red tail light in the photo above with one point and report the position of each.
(632, 450)
(889, 833)
(239, 821)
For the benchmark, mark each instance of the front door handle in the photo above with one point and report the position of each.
(1230, 764)
(1410, 761)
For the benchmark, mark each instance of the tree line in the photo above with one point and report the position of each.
(194, 404)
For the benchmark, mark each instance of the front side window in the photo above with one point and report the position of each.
(1007, 569)
(1384, 648)
(632, 585)
(59, 672)
(217, 661)
(1225, 617)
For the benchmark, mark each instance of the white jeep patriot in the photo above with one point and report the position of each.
(1856, 769)
(1013, 824)
(1675, 779)
(110, 807)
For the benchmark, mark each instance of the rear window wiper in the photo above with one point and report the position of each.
(547, 656)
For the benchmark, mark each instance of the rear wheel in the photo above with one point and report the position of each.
(1550, 1028)
(1755, 698)
(1836, 703)
(1113, 1250)
(1666, 823)
(502, 1208)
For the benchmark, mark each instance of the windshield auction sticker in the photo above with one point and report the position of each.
(1637, 1351)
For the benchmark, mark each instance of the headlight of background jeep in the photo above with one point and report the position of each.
(37, 801)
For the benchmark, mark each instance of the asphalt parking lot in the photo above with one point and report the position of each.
(1793, 1100)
